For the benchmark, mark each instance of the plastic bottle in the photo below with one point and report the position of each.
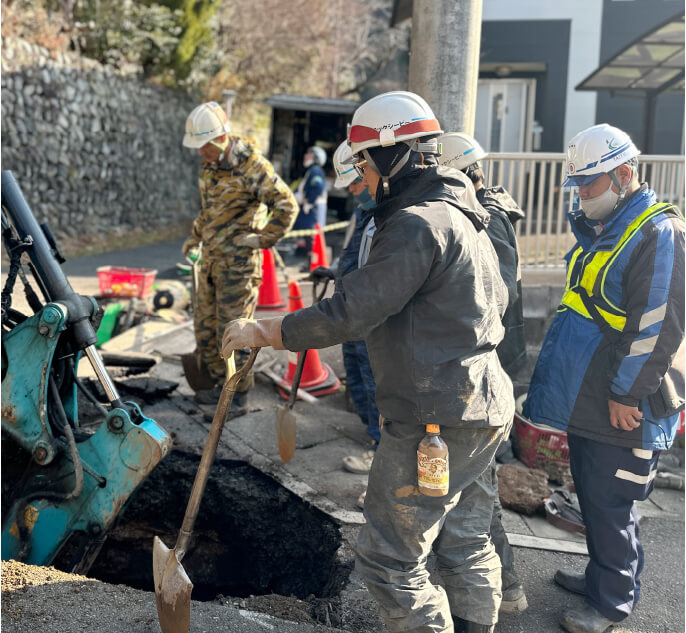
(433, 471)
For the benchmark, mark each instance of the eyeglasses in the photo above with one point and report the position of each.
(360, 167)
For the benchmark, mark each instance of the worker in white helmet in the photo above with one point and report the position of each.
(428, 302)
(235, 180)
(360, 383)
(462, 151)
(311, 193)
(611, 368)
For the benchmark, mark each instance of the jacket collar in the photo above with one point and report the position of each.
(430, 184)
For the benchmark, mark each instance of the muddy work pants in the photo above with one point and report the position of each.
(226, 290)
(402, 526)
(499, 538)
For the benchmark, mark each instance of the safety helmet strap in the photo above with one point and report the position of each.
(385, 178)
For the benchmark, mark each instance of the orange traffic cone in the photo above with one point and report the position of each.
(269, 297)
(317, 378)
(318, 255)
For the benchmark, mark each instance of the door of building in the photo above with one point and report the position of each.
(505, 114)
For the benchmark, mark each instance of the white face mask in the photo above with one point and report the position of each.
(601, 206)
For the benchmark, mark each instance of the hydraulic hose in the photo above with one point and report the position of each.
(51, 494)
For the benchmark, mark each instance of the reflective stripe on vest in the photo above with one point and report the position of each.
(593, 272)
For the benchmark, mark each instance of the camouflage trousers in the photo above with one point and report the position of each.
(227, 290)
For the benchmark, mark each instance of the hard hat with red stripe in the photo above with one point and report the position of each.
(390, 118)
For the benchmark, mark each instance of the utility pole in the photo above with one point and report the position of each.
(444, 59)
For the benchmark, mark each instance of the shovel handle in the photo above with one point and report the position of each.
(209, 452)
(296, 379)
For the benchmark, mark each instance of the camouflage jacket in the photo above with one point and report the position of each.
(242, 194)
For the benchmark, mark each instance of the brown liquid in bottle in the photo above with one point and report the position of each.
(433, 473)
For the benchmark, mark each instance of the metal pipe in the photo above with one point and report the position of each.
(103, 376)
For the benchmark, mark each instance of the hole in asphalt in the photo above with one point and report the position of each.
(251, 537)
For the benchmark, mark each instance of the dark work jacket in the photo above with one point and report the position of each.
(428, 302)
(505, 213)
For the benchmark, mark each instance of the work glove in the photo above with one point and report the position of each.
(321, 273)
(189, 245)
(306, 207)
(242, 333)
(251, 240)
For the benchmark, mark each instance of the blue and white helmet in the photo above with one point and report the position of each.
(345, 174)
(596, 151)
(459, 150)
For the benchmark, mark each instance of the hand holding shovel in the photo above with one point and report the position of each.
(172, 585)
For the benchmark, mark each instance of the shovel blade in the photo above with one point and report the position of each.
(172, 589)
(285, 432)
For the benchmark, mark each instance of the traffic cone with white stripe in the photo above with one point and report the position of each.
(317, 378)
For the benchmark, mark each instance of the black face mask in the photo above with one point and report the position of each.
(386, 158)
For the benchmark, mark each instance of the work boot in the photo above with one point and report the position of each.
(360, 500)
(585, 620)
(514, 599)
(571, 581)
(465, 626)
(360, 465)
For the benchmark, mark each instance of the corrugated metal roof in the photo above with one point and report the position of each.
(651, 64)
(312, 104)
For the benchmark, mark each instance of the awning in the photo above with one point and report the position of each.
(653, 64)
(312, 104)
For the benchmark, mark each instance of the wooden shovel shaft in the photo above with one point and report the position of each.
(208, 454)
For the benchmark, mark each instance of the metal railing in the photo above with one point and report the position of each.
(533, 180)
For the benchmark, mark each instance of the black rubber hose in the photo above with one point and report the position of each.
(73, 452)
(50, 494)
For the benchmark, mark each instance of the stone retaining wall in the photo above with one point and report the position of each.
(94, 151)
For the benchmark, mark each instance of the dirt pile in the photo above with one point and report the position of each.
(521, 489)
(16, 575)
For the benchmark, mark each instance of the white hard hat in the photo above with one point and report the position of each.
(459, 150)
(391, 118)
(319, 155)
(345, 173)
(597, 151)
(204, 123)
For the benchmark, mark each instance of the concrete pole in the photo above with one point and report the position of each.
(444, 59)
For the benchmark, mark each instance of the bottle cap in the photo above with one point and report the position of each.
(433, 428)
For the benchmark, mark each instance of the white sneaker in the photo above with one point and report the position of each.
(359, 465)
(360, 500)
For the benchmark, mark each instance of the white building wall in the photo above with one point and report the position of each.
(584, 46)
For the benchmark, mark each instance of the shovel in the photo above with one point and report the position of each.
(172, 585)
(285, 418)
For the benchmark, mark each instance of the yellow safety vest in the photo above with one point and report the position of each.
(586, 279)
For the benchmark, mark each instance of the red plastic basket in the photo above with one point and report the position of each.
(538, 443)
(119, 281)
